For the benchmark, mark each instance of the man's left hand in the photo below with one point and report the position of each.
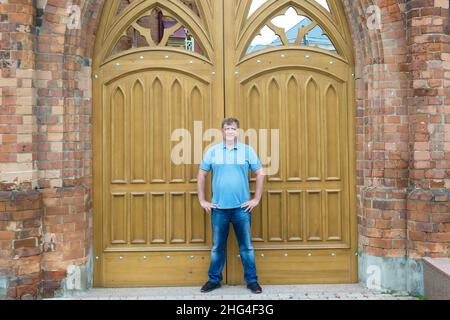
(249, 205)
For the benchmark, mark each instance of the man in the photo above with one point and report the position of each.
(230, 162)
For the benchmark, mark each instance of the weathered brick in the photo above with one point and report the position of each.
(25, 243)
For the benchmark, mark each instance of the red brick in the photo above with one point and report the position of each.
(53, 275)
(431, 247)
(7, 235)
(417, 236)
(25, 243)
(380, 243)
(439, 237)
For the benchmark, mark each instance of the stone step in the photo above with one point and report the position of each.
(270, 292)
(437, 278)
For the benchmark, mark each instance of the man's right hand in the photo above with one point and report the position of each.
(207, 205)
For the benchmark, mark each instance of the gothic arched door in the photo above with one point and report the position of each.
(279, 65)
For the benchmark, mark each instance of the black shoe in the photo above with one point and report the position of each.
(254, 287)
(210, 286)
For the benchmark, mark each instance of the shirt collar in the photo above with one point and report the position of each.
(236, 145)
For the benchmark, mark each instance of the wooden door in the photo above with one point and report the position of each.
(160, 66)
(158, 69)
(298, 82)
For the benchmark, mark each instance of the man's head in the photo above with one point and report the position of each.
(230, 128)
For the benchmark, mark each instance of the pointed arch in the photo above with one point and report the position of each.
(196, 104)
(254, 89)
(138, 136)
(332, 111)
(293, 119)
(311, 86)
(254, 99)
(176, 99)
(292, 78)
(274, 91)
(157, 82)
(119, 93)
(118, 135)
(157, 117)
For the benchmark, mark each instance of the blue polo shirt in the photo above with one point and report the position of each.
(230, 167)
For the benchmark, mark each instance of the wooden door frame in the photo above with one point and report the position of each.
(217, 26)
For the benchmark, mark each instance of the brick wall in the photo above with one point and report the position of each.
(382, 127)
(67, 234)
(18, 95)
(20, 238)
(55, 121)
(65, 138)
(429, 113)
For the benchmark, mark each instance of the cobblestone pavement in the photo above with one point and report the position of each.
(270, 292)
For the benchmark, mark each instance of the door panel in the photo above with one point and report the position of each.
(302, 229)
(150, 228)
(143, 184)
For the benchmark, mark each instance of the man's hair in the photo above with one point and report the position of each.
(230, 121)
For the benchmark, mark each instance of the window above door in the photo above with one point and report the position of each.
(290, 28)
(157, 28)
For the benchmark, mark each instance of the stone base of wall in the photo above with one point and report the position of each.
(76, 278)
(45, 242)
(394, 274)
(20, 250)
(67, 240)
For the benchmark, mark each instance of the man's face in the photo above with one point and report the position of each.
(230, 132)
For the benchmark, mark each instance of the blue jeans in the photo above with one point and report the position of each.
(241, 220)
